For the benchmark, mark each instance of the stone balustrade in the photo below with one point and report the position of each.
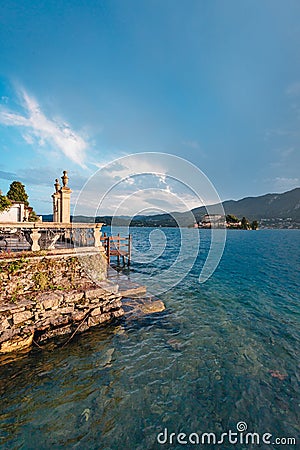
(46, 235)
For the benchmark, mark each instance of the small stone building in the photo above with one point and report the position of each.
(18, 212)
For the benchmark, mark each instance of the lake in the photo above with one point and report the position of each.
(224, 352)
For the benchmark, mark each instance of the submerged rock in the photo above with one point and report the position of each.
(86, 414)
(16, 343)
(107, 358)
(119, 330)
(175, 344)
(277, 374)
(138, 307)
(153, 306)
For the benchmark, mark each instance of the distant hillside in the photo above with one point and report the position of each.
(273, 207)
(269, 206)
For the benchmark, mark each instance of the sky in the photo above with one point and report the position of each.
(83, 83)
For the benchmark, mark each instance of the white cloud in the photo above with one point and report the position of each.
(293, 89)
(135, 183)
(286, 152)
(192, 144)
(144, 201)
(43, 130)
(285, 183)
(28, 138)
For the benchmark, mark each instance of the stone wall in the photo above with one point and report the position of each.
(48, 295)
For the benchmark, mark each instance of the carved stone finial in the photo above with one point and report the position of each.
(56, 185)
(65, 178)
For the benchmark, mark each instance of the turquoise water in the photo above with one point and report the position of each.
(222, 352)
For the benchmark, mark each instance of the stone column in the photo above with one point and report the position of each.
(65, 194)
(65, 197)
(56, 202)
(56, 207)
(97, 236)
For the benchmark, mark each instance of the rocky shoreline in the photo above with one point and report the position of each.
(46, 296)
(52, 314)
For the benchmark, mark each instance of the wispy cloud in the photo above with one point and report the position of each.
(7, 175)
(286, 152)
(45, 176)
(293, 89)
(43, 130)
(280, 133)
(284, 183)
(192, 144)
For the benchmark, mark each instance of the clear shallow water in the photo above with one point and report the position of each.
(210, 360)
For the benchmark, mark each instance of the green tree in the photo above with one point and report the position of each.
(254, 225)
(245, 225)
(5, 203)
(33, 217)
(17, 193)
(230, 218)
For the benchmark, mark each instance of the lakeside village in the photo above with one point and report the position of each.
(55, 277)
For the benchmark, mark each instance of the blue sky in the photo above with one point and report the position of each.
(85, 82)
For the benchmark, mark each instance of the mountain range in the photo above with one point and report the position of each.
(270, 209)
